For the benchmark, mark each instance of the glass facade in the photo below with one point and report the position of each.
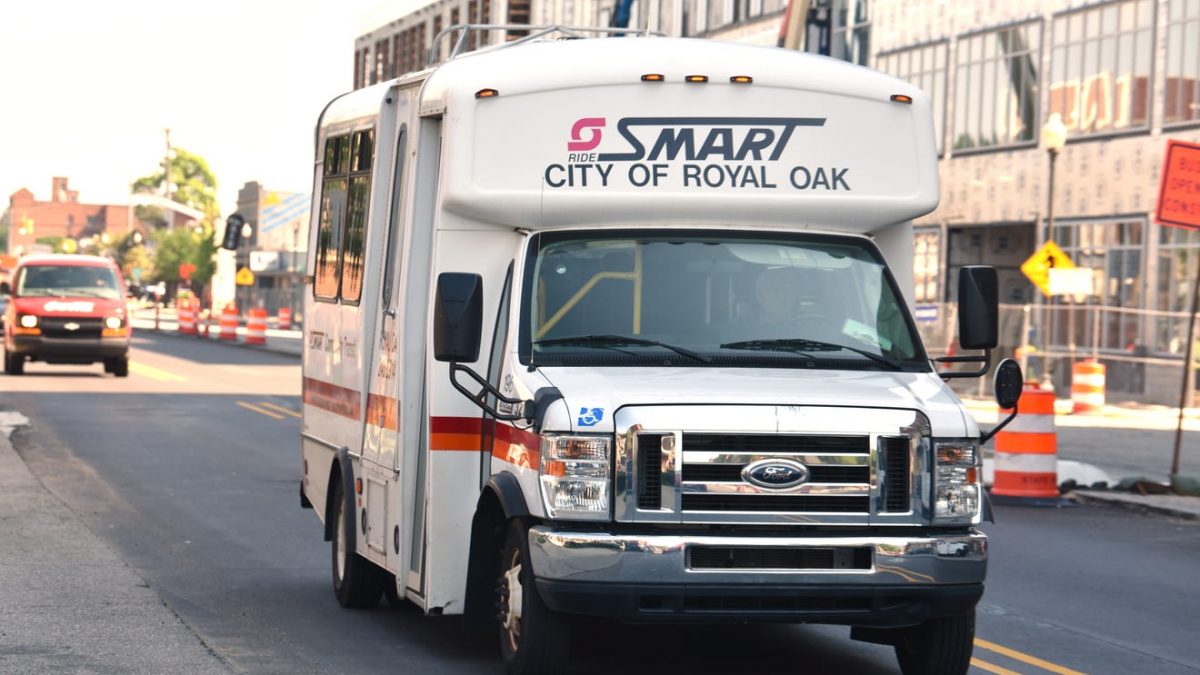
(1100, 67)
(1113, 249)
(996, 85)
(1181, 103)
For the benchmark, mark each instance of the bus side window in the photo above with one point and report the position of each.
(395, 222)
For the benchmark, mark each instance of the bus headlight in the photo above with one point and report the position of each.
(957, 472)
(575, 476)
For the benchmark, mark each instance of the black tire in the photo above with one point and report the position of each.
(539, 641)
(14, 364)
(937, 647)
(118, 367)
(390, 592)
(357, 582)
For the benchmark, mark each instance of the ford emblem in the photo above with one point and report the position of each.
(777, 474)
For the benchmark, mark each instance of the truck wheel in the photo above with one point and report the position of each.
(938, 646)
(534, 640)
(14, 364)
(357, 582)
(118, 367)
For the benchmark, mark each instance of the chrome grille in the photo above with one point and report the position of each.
(685, 464)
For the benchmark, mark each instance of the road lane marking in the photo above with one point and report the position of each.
(260, 411)
(154, 373)
(1025, 658)
(279, 408)
(992, 668)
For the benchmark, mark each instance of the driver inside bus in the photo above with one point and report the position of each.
(777, 291)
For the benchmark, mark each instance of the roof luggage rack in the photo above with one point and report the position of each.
(533, 33)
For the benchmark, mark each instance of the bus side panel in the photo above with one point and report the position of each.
(455, 422)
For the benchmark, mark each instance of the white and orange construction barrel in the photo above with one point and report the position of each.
(256, 327)
(187, 316)
(229, 323)
(1027, 449)
(285, 318)
(1087, 386)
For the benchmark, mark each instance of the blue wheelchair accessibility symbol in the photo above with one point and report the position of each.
(590, 417)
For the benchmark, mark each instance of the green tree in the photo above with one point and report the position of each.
(192, 184)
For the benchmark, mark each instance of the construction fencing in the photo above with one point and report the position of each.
(1142, 350)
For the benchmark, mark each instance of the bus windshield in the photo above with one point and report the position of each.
(713, 298)
(68, 281)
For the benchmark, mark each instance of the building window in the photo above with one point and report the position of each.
(1113, 250)
(1182, 103)
(923, 67)
(1100, 67)
(1178, 265)
(927, 260)
(996, 87)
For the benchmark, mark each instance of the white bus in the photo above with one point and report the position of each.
(621, 327)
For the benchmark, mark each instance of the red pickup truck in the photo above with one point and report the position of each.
(66, 309)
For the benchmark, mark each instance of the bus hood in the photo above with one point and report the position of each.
(592, 395)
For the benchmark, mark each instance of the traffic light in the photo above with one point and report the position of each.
(233, 232)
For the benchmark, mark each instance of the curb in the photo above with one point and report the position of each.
(234, 343)
(1187, 508)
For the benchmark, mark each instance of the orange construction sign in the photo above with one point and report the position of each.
(1179, 191)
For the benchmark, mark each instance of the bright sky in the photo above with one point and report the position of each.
(87, 88)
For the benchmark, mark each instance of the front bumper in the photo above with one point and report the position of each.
(69, 350)
(646, 577)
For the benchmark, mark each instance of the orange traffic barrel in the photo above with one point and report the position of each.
(1027, 449)
(229, 323)
(256, 327)
(1087, 386)
(285, 318)
(187, 316)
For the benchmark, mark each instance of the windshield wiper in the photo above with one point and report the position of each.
(801, 345)
(617, 341)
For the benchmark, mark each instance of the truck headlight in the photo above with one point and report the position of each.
(28, 321)
(113, 322)
(957, 471)
(575, 476)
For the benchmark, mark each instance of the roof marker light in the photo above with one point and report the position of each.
(486, 93)
(697, 79)
(901, 98)
(741, 79)
(653, 77)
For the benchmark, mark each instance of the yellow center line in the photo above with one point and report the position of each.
(260, 411)
(154, 373)
(279, 408)
(1025, 658)
(992, 668)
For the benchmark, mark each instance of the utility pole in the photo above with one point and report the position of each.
(167, 178)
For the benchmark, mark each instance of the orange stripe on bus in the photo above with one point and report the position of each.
(453, 442)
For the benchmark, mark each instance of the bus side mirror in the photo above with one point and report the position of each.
(978, 319)
(458, 317)
(978, 307)
(1008, 385)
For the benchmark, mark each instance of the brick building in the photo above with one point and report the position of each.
(63, 215)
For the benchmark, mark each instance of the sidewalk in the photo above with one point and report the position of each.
(1131, 416)
(70, 604)
(281, 341)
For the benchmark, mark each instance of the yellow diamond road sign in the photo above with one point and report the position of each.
(244, 277)
(1046, 258)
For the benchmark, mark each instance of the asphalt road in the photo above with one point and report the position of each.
(189, 468)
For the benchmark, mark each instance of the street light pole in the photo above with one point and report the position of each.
(1054, 137)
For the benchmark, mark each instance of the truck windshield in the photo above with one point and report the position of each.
(700, 298)
(68, 281)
